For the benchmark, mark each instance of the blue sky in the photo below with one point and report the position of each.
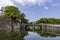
(35, 9)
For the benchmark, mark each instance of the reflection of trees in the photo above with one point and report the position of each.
(3, 35)
(23, 33)
(15, 35)
(5, 32)
(9, 22)
(44, 34)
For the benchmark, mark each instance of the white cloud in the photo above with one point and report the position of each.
(34, 2)
(43, 2)
(28, 3)
(45, 7)
(5, 3)
(55, 4)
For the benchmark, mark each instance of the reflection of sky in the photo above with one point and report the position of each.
(35, 36)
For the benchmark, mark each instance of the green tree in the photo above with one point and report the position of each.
(14, 13)
(23, 19)
(42, 20)
(57, 20)
(49, 20)
(11, 12)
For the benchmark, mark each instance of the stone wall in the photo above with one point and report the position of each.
(5, 24)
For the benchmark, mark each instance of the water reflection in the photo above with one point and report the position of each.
(4, 35)
(36, 36)
(32, 36)
(44, 34)
(24, 35)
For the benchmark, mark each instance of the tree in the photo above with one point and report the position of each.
(14, 13)
(11, 12)
(49, 20)
(42, 20)
(22, 18)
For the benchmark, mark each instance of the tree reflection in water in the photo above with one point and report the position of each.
(16, 36)
(21, 35)
(3, 35)
(44, 34)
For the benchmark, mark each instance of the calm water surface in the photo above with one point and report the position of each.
(36, 36)
(28, 36)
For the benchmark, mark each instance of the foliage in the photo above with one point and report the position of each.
(22, 18)
(45, 34)
(14, 13)
(21, 37)
(49, 20)
(3, 35)
(11, 12)
(30, 22)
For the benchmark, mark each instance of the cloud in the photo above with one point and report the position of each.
(28, 3)
(55, 4)
(5, 3)
(34, 2)
(45, 7)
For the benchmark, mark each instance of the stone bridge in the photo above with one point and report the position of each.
(5, 24)
(55, 28)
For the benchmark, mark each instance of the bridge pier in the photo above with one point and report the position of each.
(44, 28)
(33, 27)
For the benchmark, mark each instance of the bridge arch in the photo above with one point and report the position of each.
(38, 28)
(28, 27)
(33, 28)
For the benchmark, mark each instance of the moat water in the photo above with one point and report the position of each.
(36, 36)
(29, 35)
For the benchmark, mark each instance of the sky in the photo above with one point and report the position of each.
(35, 9)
